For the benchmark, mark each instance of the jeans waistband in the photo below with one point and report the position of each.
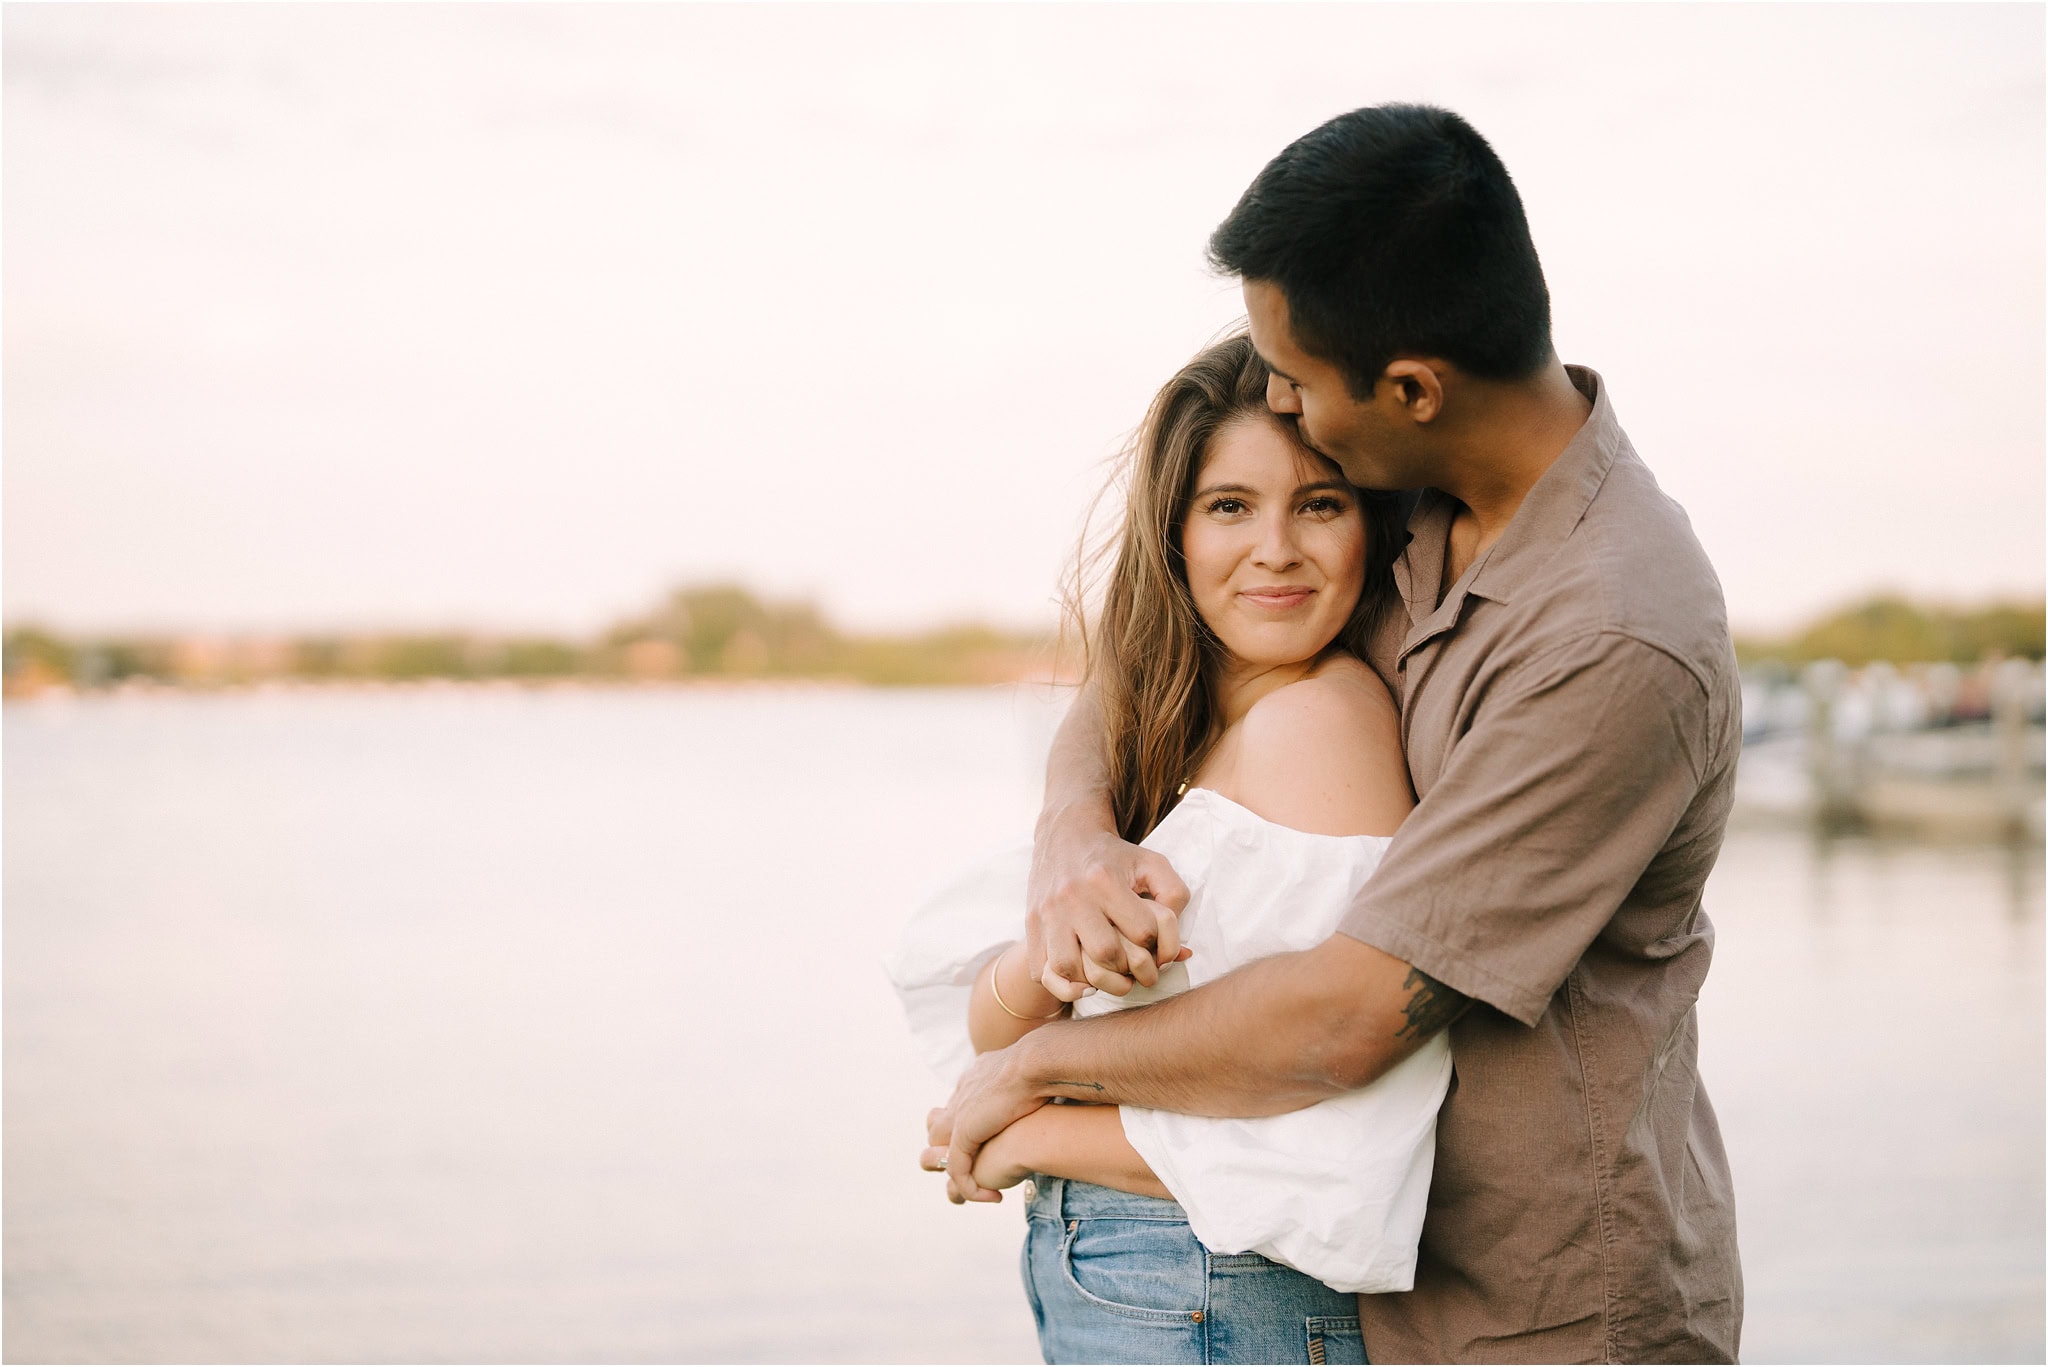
(1057, 1198)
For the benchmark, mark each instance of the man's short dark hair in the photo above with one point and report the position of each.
(1395, 231)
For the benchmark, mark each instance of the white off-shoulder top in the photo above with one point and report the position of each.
(1336, 1190)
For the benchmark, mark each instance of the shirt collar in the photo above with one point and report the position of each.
(1550, 512)
(1552, 508)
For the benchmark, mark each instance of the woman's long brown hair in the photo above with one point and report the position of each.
(1151, 660)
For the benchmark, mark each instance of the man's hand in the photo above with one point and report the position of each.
(1000, 1165)
(1101, 912)
(997, 1167)
(991, 1095)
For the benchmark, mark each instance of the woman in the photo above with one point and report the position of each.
(1250, 745)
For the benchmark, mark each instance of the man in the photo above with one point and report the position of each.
(1571, 718)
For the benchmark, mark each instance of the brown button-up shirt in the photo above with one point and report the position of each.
(1571, 713)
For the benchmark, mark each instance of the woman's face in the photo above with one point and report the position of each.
(1275, 545)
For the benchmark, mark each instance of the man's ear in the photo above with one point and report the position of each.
(1416, 387)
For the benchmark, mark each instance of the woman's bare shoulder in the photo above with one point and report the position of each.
(1342, 702)
(1324, 754)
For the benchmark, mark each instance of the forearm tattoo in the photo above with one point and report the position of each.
(1430, 1007)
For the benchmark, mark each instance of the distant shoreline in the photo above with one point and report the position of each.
(707, 632)
(723, 636)
(150, 688)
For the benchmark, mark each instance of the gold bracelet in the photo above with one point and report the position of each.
(997, 992)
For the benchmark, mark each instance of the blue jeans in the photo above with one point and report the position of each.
(1119, 1278)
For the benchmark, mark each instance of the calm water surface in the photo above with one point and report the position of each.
(550, 1026)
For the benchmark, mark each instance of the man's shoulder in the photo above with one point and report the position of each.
(1633, 570)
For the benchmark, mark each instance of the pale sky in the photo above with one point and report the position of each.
(513, 317)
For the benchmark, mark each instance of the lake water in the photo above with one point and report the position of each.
(549, 1026)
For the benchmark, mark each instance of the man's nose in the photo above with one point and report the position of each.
(1280, 396)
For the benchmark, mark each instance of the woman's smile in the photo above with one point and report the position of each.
(1279, 598)
(1274, 546)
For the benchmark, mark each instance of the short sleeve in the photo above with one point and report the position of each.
(1570, 778)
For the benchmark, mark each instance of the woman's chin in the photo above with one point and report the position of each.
(1254, 655)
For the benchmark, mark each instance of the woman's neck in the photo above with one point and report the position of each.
(1240, 685)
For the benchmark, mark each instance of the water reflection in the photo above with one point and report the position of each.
(550, 1027)
(1872, 1037)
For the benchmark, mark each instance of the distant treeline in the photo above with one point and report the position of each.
(726, 632)
(709, 632)
(1901, 631)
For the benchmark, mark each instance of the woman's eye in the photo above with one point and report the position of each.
(1229, 507)
(1327, 506)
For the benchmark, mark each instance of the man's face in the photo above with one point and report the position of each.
(1350, 431)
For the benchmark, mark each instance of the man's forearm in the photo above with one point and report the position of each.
(1274, 1036)
(1076, 773)
(1098, 911)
